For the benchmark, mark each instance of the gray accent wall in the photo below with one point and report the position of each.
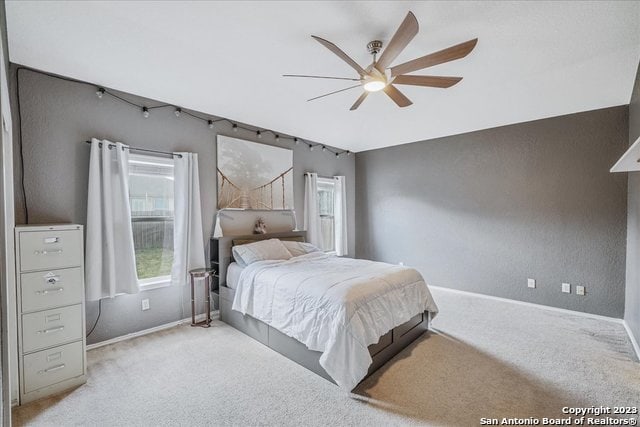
(485, 211)
(632, 298)
(59, 115)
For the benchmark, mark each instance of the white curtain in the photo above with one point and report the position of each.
(188, 245)
(340, 215)
(110, 259)
(311, 214)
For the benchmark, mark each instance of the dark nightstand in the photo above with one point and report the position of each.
(206, 274)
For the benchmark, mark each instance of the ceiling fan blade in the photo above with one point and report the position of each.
(397, 96)
(449, 54)
(359, 100)
(405, 33)
(335, 91)
(431, 81)
(335, 49)
(320, 77)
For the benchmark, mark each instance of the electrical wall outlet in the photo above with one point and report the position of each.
(580, 290)
(566, 288)
(145, 304)
(531, 283)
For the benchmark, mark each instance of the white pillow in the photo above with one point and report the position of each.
(299, 248)
(260, 251)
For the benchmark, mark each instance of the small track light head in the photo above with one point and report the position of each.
(145, 112)
(235, 127)
(100, 93)
(210, 122)
(178, 112)
(259, 134)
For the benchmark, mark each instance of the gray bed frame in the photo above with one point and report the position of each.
(388, 346)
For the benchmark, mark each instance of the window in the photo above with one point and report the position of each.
(326, 189)
(151, 200)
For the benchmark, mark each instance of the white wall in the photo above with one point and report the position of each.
(632, 295)
(7, 263)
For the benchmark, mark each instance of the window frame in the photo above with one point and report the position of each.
(332, 183)
(157, 282)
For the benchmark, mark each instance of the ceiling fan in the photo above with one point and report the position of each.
(380, 76)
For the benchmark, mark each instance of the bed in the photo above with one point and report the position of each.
(339, 317)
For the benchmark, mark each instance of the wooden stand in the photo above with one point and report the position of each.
(201, 273)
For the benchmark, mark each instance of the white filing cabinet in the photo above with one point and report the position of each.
(50, 306)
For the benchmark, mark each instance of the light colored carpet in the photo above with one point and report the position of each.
(485, 358)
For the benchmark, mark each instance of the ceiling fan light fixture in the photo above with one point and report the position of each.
(374, 85)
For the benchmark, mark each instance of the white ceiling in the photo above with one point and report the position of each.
(533, 60)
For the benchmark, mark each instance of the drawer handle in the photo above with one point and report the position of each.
(45, 252)
(52, 369)
(49, 291)
(52, 330)
(50, 240)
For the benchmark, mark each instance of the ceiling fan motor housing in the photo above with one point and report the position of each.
(374, 47)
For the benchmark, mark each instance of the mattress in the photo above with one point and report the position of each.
(233, 275)
(337, 306)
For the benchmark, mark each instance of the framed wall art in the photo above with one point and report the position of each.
(253, 176)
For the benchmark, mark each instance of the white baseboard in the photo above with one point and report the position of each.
(199, 317)
(634, 343)
(530, 304)
(215, 315)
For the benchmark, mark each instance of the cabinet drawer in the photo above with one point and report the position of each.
(412, 323)
(40, 250)
(51, 327)
(54, 288)
(52, 366)
(385, 341)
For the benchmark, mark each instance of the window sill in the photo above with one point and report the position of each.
(156, 283)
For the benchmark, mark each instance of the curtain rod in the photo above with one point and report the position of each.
(145, 150)
(319, 176)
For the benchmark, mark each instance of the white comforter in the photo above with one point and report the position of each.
(338, 306)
